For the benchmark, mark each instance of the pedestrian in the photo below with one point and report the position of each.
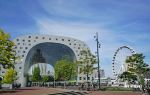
(82, 86)
(94, 86)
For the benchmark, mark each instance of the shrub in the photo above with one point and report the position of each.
(115, 89)
(45, 78)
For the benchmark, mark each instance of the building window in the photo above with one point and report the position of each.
(62, 39)
(29, 36)
(69, 40)
(29, 44)
(26, 47)
(88, 78)
(36, 37)
(17, 39)
(21, 47)
(84, 78)
(20, 68)
(23, 51)
(22, 55)
(43, 37)
(23, 40)
(69, 43)
(56, 39)
(78, 47)
(92, 78)
(18, 43)
(29, 41)
(74, 44)
(80, 78)
(49, 38)
(3, 71)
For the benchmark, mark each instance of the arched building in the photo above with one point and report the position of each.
(44, 49)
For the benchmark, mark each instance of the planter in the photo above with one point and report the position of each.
(148, 91)
(16, 85)
(7, 86)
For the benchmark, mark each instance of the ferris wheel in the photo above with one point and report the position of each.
(119, 60)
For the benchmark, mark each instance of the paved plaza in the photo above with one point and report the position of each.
(59, 91)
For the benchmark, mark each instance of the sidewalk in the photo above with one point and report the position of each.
(60, 91)
(40, 91)
(34, 91)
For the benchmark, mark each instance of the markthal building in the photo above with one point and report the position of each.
(44, 51)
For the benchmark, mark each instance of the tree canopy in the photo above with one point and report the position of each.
(86, 62)
(7, 54)
(65, 70)
(45, 78)
(129, 77)
(36, 74)
(9, 76)
(137, 67)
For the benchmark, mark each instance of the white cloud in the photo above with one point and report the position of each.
(84, 32)
(66, 8)
(67, 29)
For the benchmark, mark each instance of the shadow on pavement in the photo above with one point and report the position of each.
(16, 90)
(70, 93)
(27, 89)
(9, 91)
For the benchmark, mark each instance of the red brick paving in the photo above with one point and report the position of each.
(114, 93)
(45, 91)
(35, 91)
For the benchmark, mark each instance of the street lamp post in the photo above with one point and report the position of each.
(98, 46)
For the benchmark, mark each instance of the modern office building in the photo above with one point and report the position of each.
(43, 51)
(93, 77)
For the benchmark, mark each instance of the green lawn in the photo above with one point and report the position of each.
(116, 89)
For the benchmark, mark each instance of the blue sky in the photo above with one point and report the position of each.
(118, 22)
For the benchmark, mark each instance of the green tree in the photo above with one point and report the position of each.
(86, 62)
(9, 76)
(129, 77)
(64, 70)
(36, 74)
(137, 66)
(7, 54)
(45, 78)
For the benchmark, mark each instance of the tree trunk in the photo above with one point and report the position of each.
(87, 87)
(142, 82)
(128, 83)
(64, 84)
(87, 75)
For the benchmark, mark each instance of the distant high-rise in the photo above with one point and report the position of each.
(95, 73)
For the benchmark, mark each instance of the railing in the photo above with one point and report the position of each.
(64, 84)
(51, 84)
